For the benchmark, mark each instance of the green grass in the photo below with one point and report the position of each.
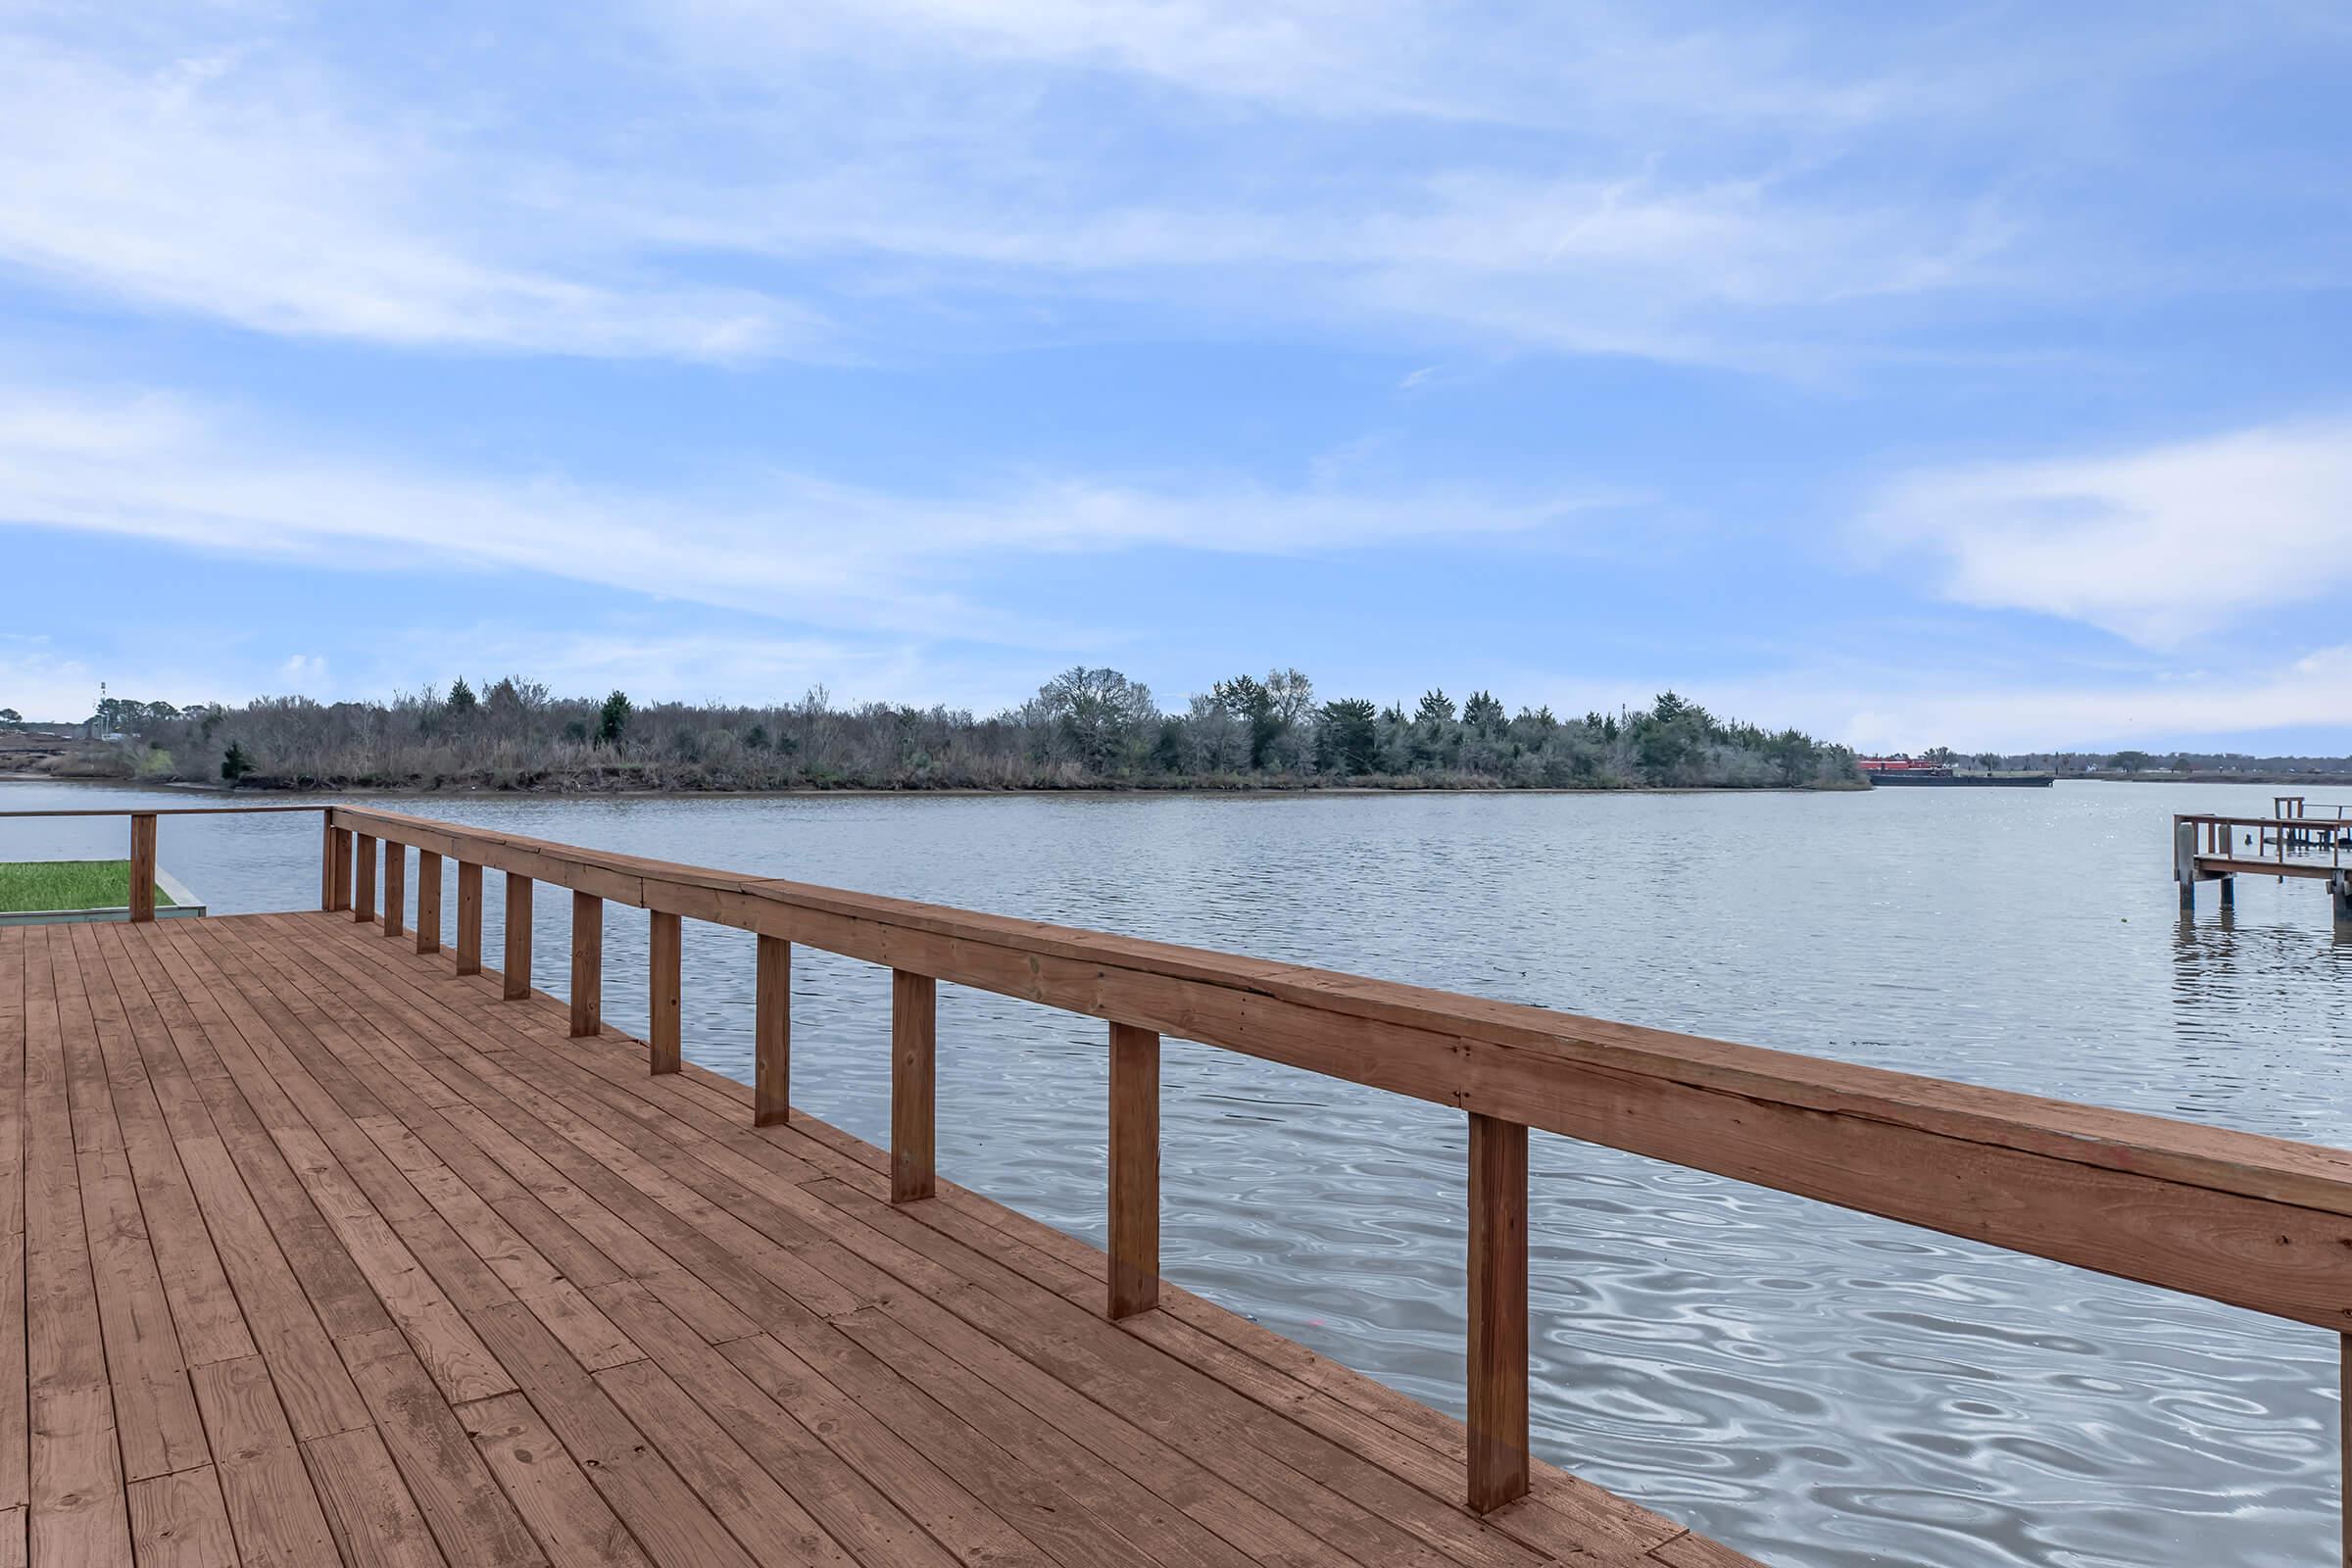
(67, 885)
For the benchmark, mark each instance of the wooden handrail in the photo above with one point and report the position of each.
(2254, 1221)
(173, 810)
(2257, 1222)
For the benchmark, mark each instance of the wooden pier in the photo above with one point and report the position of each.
(2206, 849)
(332, 1244)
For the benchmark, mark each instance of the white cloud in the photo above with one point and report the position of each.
(2158, 546)
(243, 190)
(740, 180)
(772, 543)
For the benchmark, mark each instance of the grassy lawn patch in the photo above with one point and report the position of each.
(67, 885)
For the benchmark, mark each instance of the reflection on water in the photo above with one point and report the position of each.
(1814, 1386)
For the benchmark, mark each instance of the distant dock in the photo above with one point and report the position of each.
(2208, 849)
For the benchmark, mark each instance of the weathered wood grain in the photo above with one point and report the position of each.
(772, 1032)
(142, 867)
(1498, 1365)
(1134, 1274)
(587, 964)
(665, 947)
(913, 1085)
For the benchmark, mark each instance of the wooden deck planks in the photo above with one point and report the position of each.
(386, 1270)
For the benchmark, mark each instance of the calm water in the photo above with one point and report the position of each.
(1813, 1386)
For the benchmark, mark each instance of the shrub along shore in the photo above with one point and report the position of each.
(1084, 729)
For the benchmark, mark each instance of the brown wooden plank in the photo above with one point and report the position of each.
(771, 1033)
(858, 1510)
(1359, 1507)
(142, 867)
(79, 1513)
(1134, 1170)
(273, 1509)
(396, 887)
(15, 1388)
(665, 944)
(159, 1430)
(428, 901)
(517, 971)
(377, 1523)
(12, 1537)
(1498, 1364)
(587, 963)
(463, 1506)
(179, 1521)
(74, 1477)
(913, 1085)
(15, 1432)
(668, 1520)
(470, 917)
(205, 1314)
(318, 1395)
(1697, 1551)
(563, 1509)
(747, 1500)
(362, 885)
(326, 862)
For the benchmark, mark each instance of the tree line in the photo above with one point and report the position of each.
(1085, 729)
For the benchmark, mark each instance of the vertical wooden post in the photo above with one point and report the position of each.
(362, 882)
(771, 1033)
(142, 865)
(2185, 862)
(587, 964)
(2343, 1440)
(1134, 1170)
(339, 857)
(668, 948)
(428, 901)
(1498, 1469)
(470, 917)
(326, 861)
(913, 1085)
(518, 938)
(396, 887)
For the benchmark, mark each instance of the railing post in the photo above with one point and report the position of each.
(1498, 1468)
(666, 948)
(2185, 862)
(518, 938)
(338, 854)
(913, 1085)
(363, 881)
(1134, 1170)
(428, 901)
(470, 917)
(326, 862)
(396, 887)
(587, 964)
(2343, 1440)
(771, 1033)
(142, 867)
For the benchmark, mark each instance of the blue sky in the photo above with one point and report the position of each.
(1970, 373)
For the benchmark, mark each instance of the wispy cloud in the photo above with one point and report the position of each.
(2158, 546)
(2154, 708)
(242, 188)
(770, 543)
(843, 181)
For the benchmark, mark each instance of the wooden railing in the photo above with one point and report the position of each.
(2255, 1222)
(143, 839)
